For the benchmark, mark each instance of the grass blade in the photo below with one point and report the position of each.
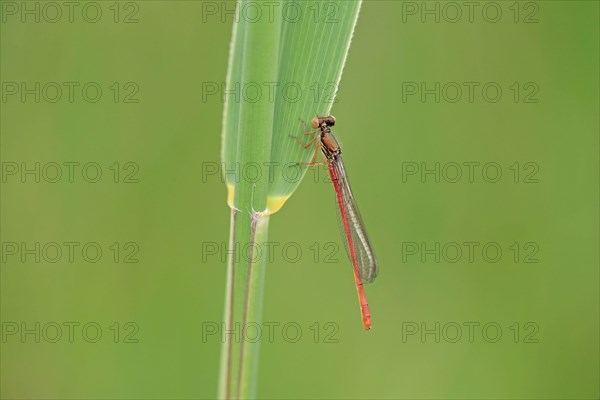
(307, 53)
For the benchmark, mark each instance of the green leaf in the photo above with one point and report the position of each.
(315, 38)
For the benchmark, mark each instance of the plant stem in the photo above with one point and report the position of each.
(243, 304)
(259, 58)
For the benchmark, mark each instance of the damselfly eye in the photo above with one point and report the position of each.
(315, 122)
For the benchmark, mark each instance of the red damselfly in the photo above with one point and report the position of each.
(354, 234)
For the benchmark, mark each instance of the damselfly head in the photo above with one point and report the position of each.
(317, 121)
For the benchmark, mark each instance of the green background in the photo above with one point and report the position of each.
(173, 212)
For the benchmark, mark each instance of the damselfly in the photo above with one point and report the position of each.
(354, 234)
